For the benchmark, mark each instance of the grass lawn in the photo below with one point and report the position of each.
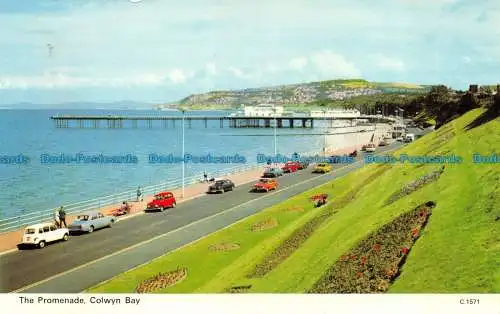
(459, 250)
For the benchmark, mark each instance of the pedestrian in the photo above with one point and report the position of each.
(139, 194)
(56, 218)
(62, 217)
(205, 176)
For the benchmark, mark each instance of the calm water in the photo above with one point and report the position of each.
(36, 186)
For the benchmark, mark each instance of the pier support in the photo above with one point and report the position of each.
(290, 122)
(280, 123)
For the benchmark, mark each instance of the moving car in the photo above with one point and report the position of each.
(90, 221)
(221, 186)
(370, 148)
(43, 233)
(162, 201)
(265, 185)
(322, 168)
(291, 166)
(272, 173)
(409, 138)
(383, 142)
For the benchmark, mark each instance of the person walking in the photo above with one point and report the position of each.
(205, 176)
(62, 217)
(56, 218)
(140, 197)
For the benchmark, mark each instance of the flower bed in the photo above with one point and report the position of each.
(162, 280)
(295, 208)
(287, 247)
(415, 185)
(265, 224)
(239, 289)
(299, 236)
(376, 261)
(224, 247)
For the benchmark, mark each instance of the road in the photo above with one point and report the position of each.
(86, 260)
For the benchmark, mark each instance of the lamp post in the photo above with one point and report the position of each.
(275, 137)
(324, 135)
(183, 157)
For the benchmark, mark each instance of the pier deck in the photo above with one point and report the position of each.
(119, 122)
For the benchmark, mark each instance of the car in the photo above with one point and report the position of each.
(162, 201)
(221, 186)
(400, 139)
(370, 148)
(363, 148)
(265, 185)
(41, 234)
(322, 168)
(90, 221)
(303, 165)
(409, 138)
(290, 166)
(272, 173)
(383, 142)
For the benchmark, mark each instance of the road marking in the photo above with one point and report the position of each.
(182, 228)
(163, 235)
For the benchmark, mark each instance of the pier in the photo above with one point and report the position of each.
(120, 122)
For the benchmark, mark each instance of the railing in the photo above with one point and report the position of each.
(17, 222)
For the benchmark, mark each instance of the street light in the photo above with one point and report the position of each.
(183, 157)
(275, 139)
(324, 136)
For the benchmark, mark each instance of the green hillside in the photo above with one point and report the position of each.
(458, 251)
(298, 94)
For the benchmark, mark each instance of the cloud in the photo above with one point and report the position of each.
(211, 69)
(388, 63)
(238, 73)
(177, 76)
(334, 65)
(298, 63)
(466, 59)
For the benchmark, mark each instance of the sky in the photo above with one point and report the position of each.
(56, 51)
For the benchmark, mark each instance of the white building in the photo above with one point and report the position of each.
(336, 113)
(262, 110)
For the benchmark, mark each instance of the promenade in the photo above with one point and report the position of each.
(10, 240)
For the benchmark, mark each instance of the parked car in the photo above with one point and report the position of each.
(370, 148)
(303, 165)
(43, 233)
(162, 201)
(272, 173)
(90, 221)
(265, 185)
(221, 186)
(291, 166)
(322, 168)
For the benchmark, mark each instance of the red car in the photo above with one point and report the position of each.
(291, 166)
(265, 185)
(162, 201)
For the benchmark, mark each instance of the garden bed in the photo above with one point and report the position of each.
(287, 247)
(265, 224)
(162, 280)
(223, 247)
(239, 289)
(415, 185)
(375, 262)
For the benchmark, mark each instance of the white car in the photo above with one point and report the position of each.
(41, 234)
(370, 148)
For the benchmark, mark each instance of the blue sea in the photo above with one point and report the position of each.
(37, 187)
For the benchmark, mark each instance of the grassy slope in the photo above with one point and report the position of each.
(459, 250)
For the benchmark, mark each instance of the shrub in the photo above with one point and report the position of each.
(415, 185)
